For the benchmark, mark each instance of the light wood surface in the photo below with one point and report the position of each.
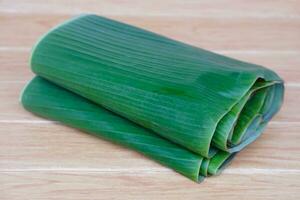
(41, 159)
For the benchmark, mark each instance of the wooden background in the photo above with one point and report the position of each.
(41, 159)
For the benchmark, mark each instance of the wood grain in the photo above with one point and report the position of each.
(93, 185)
(221, 8)
(286, 64)
(208, 33)
(41, 159)
(12, 110)
(40, 146)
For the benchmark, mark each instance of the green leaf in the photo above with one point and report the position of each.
(50, 101)
(197, 100)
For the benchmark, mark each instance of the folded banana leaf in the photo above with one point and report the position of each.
(185, 107)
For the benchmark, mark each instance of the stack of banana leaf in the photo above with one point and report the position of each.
(185, 107)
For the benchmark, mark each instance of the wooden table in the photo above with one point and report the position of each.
(42, 159)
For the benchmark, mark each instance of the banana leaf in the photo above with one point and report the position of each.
(51, 101)
(185, 107)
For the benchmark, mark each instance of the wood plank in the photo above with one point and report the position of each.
(48, 145)
(17, 73)
(222, 8)
(15, 64)
(209, 33)
(92, 185)
(54, 146)
(27, 148)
